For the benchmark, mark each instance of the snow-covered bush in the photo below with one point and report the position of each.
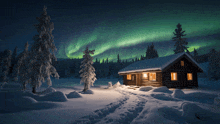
(87, 92)
(162, 89)
(54, 97)
(117, 84)
(23, 101)
(73, 94)
(147, 88)
(177, 93)
(109, 84)
(48, 90)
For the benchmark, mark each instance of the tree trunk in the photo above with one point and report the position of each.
(85, 87)
(33, 89)
(24, 86)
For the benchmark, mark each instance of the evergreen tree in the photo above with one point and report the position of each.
(6, 64)
(40, 60)
(96, 60)
(195, 53)
(147, 53)
(107, 61)
(118, 59)
(151, 52)
(180, 42)
(136, 59)
(214, 65)
(103, 61)
(126, 61)
(14, 54)
(20, 72)
(88, 71)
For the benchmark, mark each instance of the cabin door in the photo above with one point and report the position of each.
(183, 80)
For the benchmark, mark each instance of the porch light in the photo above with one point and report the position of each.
(145, 75)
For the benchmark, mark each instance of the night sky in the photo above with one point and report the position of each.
(112, 27)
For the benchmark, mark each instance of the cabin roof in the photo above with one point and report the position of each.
(155, 63)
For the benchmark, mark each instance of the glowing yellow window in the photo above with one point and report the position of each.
(128, 77)
(182, 63)
(173, 76)
(153, 76)
(189, 76)
(145, 75)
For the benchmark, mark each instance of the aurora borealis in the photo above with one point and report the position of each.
(111, 27)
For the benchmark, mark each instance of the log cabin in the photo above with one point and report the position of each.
(174, 71)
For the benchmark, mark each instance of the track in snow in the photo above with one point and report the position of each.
(122, 111)
(126, 113)
(101, 113)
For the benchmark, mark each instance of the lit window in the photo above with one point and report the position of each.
(173, 76)
(182, 63)
(189, 76)
(128, 77)
(145, 76)
(153, 76)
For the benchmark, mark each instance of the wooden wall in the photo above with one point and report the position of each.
(182, 74)
(164, 78)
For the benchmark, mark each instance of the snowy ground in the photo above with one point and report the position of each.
(64, 103)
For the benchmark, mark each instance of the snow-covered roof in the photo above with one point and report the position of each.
(154, 64)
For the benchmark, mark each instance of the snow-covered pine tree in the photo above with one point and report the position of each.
(40, 66)
(20, 72)
(180, 42)
(1, 70)
(214, 65)
(13, 58)
(88, 71)
(6, 64)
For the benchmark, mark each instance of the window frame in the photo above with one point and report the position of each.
(152, 76)
(171, 75)
(128, 76)
(182, 63)
(145, 77)
(188, 76)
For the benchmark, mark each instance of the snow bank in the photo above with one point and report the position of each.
(11, 86)
(162, 89)
(123, 86)
(73, 94)
(177, 93)
(87, 92)
(148, 88)
(117, 84)
(48, 90)
(109, 85)
(217, 101)
(23, 101)
(194, 113)
(54, 97)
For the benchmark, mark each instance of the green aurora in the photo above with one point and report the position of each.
(109, 38)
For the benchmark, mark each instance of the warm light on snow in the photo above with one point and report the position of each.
(109, 100)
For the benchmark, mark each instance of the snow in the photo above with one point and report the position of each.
(177, 93)
(66, 103)
(155, 63)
